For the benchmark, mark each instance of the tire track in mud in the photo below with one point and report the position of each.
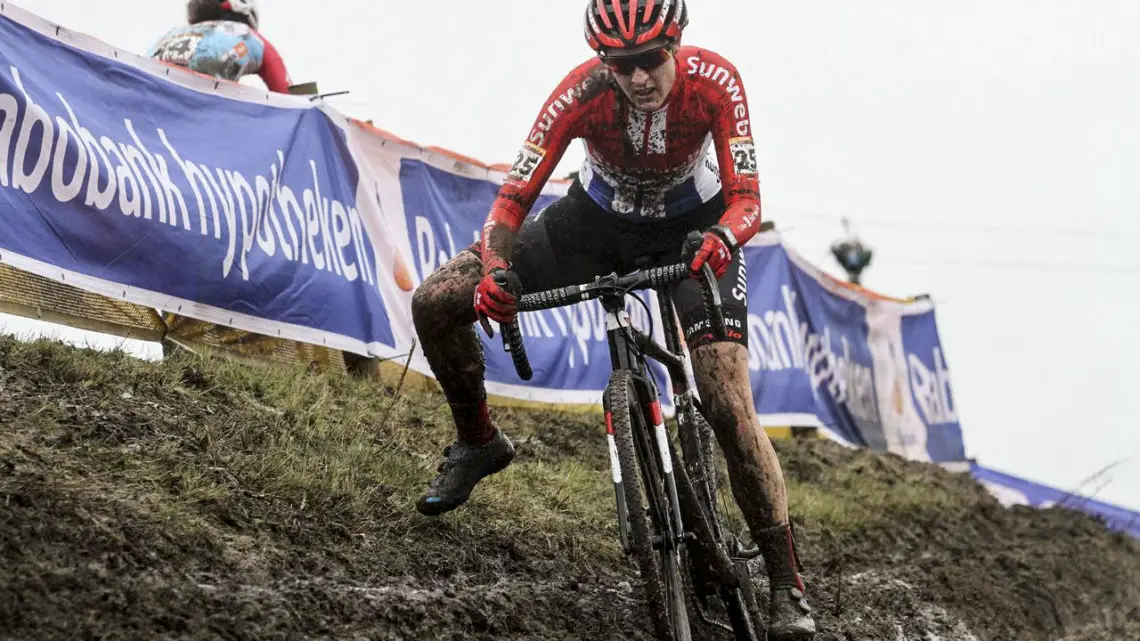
(83, 564)
(508, 609)
(89, 549)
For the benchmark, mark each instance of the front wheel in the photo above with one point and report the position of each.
(648, 513)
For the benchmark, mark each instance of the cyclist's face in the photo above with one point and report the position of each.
(647, 78)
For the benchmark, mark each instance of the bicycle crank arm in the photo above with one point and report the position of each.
(658, 541)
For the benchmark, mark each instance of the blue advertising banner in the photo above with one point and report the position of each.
(808, 349)
(113, 175)
(868, 369)
(1011, 490)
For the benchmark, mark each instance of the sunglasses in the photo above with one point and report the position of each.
(647, 60)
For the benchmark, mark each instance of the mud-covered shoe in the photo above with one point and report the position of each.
(789, 616)
(463, 467)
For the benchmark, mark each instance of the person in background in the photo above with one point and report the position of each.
(222, 40)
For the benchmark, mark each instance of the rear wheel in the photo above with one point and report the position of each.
(708, 474)
(740, 604)
(648, 511)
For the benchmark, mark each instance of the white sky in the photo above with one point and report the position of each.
(975, 129)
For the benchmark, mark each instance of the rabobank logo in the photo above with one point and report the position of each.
(779, 341)
(266, 206)
(444, 212)
(930, 386)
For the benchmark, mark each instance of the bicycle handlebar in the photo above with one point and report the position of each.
(640, 279)
(654, 277)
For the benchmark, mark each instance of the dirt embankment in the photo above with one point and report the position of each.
(204, 500)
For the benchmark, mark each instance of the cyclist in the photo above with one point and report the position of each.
(222, 40)
(669, 150)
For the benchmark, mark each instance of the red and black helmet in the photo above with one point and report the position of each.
(625, 24)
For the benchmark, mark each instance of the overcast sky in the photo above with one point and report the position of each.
(989, 151)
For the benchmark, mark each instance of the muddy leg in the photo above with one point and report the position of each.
(444, 316)
(721, 371)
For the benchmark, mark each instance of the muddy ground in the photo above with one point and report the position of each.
(120, 518)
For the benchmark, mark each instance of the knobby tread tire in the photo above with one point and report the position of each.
(625, 407)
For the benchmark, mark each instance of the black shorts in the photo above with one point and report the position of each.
(573, 240)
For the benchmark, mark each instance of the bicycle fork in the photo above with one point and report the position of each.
(653, 446)
(657, 417)
(652, 443)
(615, 467)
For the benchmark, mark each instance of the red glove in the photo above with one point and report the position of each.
(494, 302)
(713, 251)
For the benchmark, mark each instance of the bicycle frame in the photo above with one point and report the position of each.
(630, 351)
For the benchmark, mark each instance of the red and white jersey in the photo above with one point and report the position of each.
(646, 165)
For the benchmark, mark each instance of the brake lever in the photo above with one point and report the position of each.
(710, 292)
(502, 281)
(512, 334)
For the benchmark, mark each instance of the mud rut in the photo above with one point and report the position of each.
(84, 558)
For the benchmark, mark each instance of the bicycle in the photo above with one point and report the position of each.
(678, 496)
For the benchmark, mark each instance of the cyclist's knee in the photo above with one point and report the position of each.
(446, 295)
(425, 299)
(721, 372)
(720, 364)
(424, 304)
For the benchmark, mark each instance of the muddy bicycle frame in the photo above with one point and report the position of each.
(629, 350)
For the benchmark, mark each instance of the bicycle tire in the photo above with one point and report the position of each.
(740, 602)
(743, 611)
(660, 567)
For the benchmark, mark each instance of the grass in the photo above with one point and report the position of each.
(203, 432)
(259, 474)
(196, 431)
(848, 501)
